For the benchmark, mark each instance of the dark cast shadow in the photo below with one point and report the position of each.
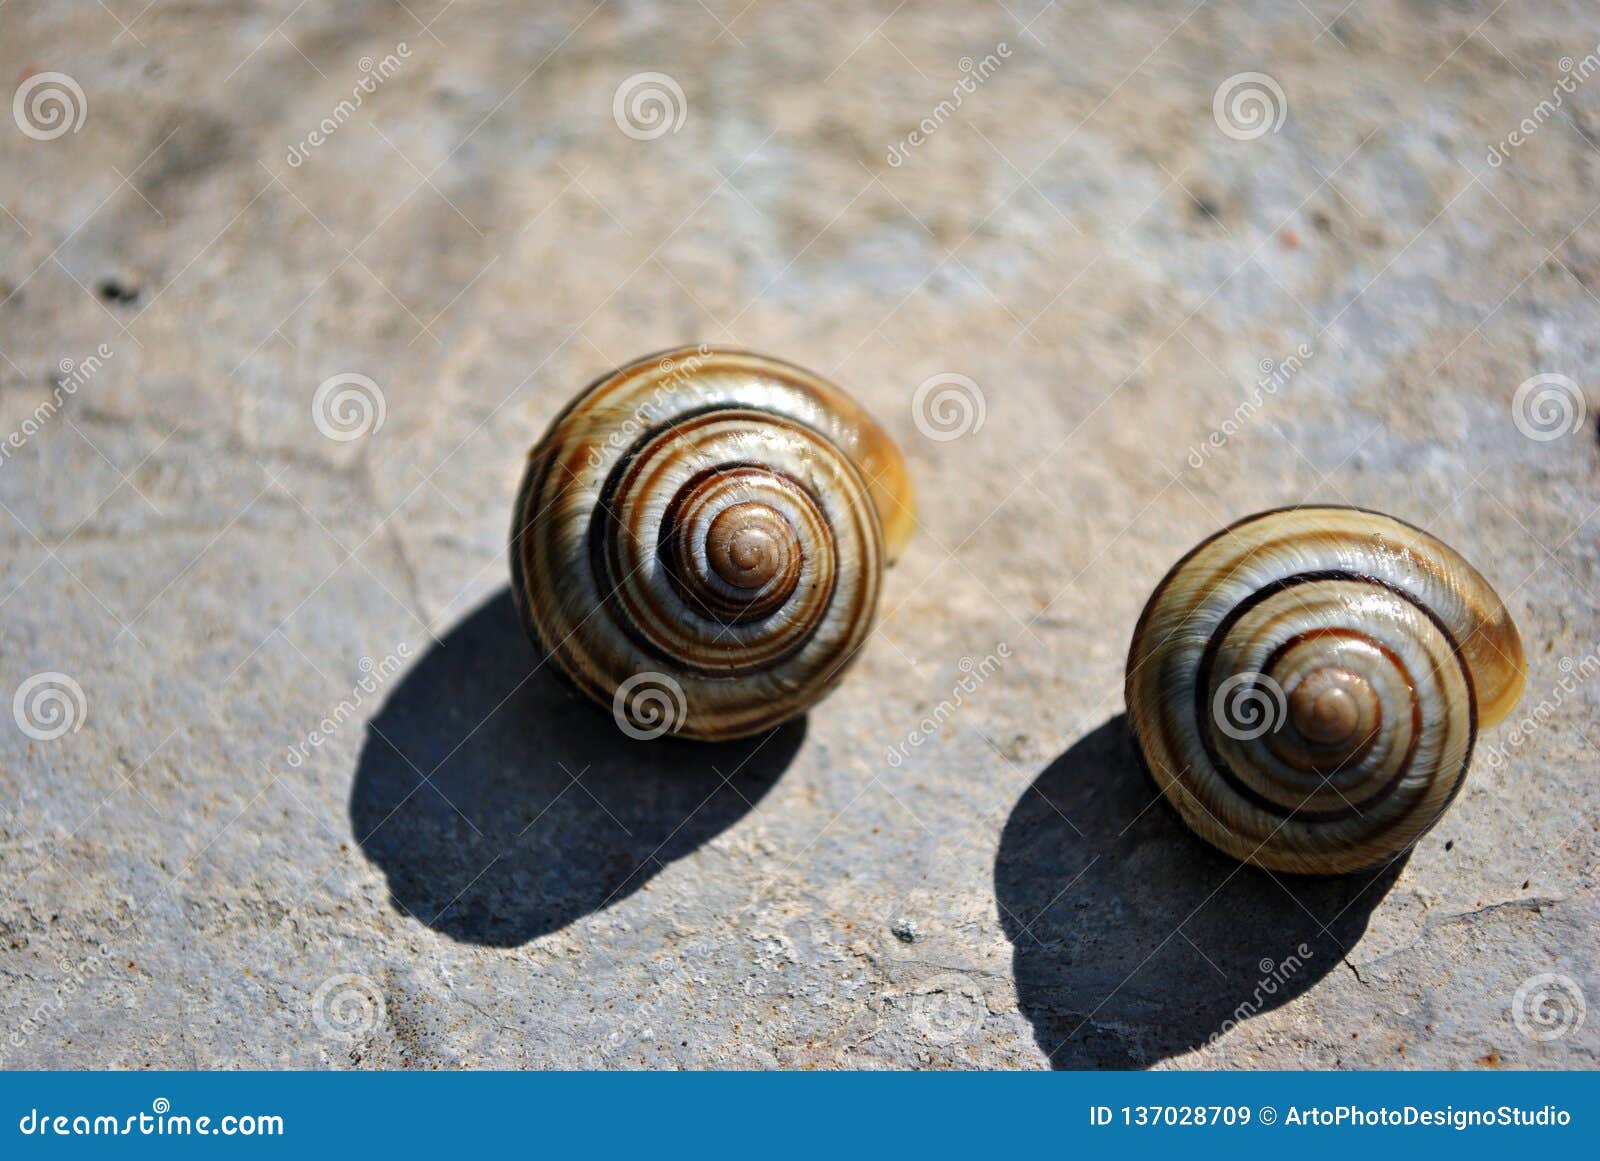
(501, 805)
(1133, 940)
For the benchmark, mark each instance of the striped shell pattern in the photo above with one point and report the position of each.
(1306, 686)
(700, 537)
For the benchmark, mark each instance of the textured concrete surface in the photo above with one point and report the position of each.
(462, 867)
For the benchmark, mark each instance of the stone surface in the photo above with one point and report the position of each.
(318, 810)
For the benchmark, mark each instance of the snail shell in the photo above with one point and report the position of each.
(700, 537)
(1307, 684)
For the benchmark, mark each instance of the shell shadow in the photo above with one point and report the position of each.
(1132, 940)
(502, 806)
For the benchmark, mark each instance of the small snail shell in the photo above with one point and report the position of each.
(713, 524)
(1307, 684)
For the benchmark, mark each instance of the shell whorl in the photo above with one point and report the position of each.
(1307, 685)
(717, 520)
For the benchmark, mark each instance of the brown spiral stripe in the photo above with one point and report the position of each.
(1307, 685)
(705, 517)
(732, 555)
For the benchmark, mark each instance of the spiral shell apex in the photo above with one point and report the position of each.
(1307, 685)
(700, 537)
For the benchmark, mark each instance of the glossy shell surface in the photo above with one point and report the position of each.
(1307, 685)
(700, 538)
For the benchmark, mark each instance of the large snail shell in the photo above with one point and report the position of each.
(1307, 685)
(714, 524)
